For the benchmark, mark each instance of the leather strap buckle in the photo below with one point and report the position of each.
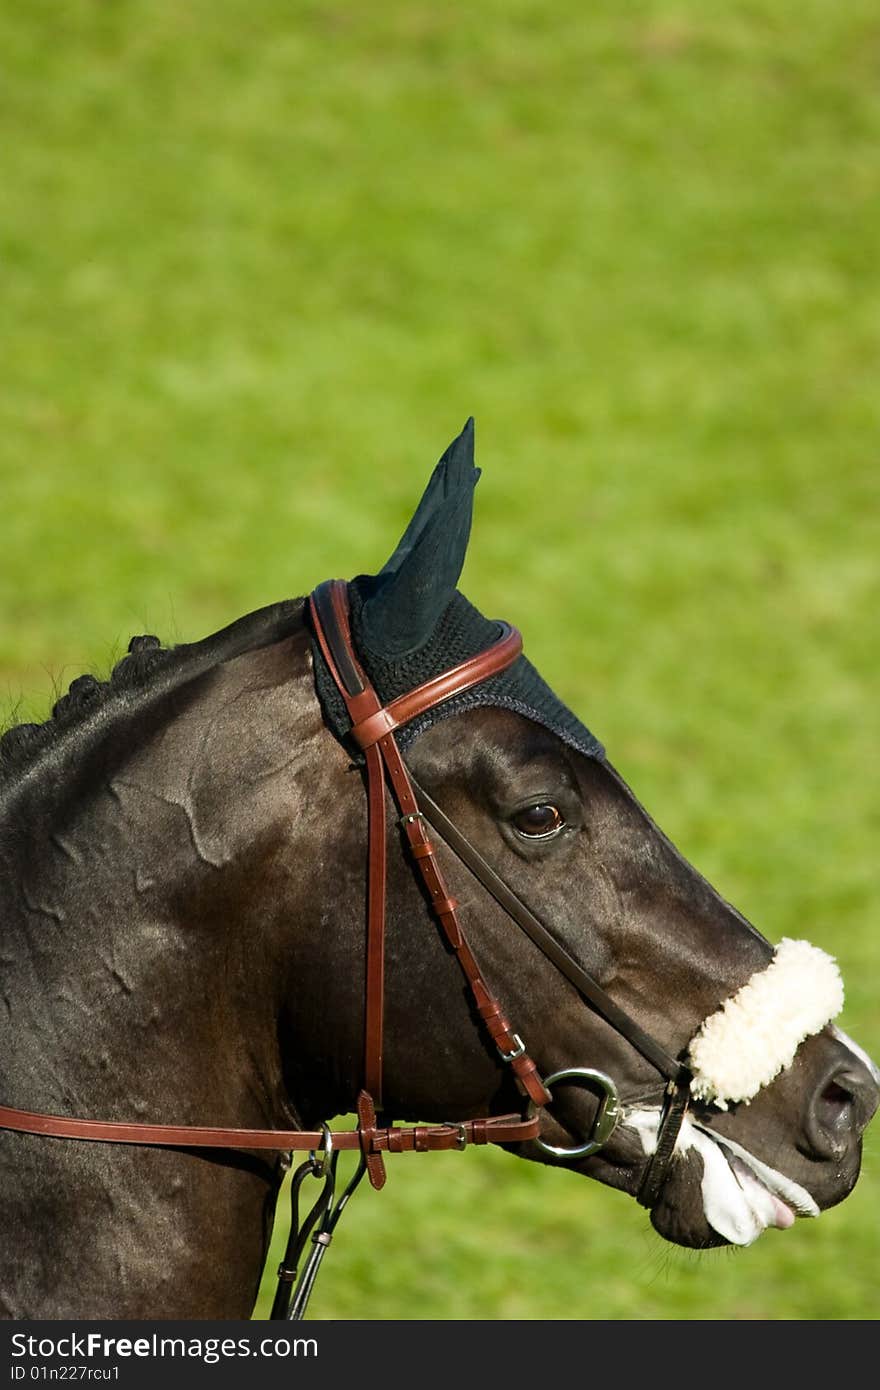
(517, 1051)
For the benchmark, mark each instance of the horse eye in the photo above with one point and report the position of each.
(538, 822)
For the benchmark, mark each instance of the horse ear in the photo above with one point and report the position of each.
(404, 601)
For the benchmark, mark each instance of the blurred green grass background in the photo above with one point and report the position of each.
(259, 262)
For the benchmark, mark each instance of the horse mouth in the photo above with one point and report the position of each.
(741, 1196)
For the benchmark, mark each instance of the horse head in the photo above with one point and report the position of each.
(777, 1096)
(183, 880)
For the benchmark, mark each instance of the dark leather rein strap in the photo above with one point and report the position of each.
(500, 1129)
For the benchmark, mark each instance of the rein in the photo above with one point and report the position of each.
(372, 731)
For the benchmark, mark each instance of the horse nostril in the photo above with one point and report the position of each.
(836, 1096)
(856, 1088)
(840, 1110)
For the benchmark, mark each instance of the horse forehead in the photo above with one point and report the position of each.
(491, 742)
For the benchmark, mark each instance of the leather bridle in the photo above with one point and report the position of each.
(372, 732)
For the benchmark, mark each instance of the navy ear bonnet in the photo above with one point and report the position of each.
(409, 623)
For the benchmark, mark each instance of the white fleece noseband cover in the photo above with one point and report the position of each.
(755, 1034)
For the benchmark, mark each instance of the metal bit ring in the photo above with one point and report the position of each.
(606, 1119)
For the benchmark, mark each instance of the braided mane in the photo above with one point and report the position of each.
(145, 656)
(136, 672)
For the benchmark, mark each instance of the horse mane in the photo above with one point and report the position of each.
(138, 672)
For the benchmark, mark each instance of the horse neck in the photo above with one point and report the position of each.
(141, 980)
(129, 976)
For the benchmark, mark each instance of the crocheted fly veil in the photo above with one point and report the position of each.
(410, 623)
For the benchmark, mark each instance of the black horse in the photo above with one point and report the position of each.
(182, 881)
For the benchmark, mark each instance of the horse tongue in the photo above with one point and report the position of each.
(774, 1211)
(785, 1216)
(765, 1204)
